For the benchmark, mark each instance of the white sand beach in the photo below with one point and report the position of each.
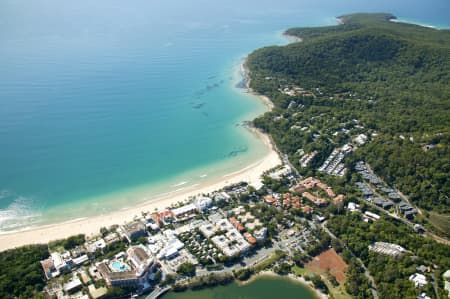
(91, 226)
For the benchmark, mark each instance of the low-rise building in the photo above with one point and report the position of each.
(72, 286)
(133, 231)
(260, 234)
(418, 279)
(203, 203)
(371, 215)
(390, 249)
(97, 293)
(185, 212)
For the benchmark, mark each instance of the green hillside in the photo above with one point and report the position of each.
(391, 78)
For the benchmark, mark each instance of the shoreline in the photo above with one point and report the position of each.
(297, 279)
(246, 78)
(90, 226)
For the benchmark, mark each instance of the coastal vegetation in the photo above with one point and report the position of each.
(20, 272)
(391, 274)
(293, 225)
(367, 75)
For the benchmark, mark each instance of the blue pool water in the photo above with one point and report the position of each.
(119, 266)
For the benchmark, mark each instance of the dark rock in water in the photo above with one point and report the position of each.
(242, 84)
(198, 106)
(237, 152)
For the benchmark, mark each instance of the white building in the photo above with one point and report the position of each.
(184, 211)
(371, 215)
(419, 280)
(203, 203)
(352, 207)
(260, 234)
(360, 139)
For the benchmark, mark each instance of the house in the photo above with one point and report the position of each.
(307, 210)
(371, 215)
(270, 200)
(352, 207)
(419, 280)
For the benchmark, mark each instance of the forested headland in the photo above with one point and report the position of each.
(388, 80)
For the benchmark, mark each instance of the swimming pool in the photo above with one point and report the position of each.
(120, 266)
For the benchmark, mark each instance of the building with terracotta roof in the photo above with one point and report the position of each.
(167, 216)
(250, 239)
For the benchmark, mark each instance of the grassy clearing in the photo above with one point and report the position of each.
(440, 222)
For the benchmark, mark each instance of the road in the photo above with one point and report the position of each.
(409, 223)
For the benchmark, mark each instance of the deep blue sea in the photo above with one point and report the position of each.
(99, 99)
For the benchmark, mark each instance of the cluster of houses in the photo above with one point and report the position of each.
(309, 184)
(391, 199)
(305, 159)
(287, 200)
(333, 165)
(294, 91)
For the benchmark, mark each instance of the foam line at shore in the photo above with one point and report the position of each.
(91, 225)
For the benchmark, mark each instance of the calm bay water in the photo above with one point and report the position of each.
(104, 104)
(261, 288)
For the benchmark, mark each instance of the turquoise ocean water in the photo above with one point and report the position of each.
(104, 104)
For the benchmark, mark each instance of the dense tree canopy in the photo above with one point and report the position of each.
(21, 274)
(368, 76)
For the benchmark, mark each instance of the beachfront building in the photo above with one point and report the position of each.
(203, 203)
(132, 231)
(185, 212)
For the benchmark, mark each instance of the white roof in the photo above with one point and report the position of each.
(57, 260)
(184, 209)
(257, 185)
(373, 215)
(171, 251)
(100, 244)
(81, 259)
(72, 284)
